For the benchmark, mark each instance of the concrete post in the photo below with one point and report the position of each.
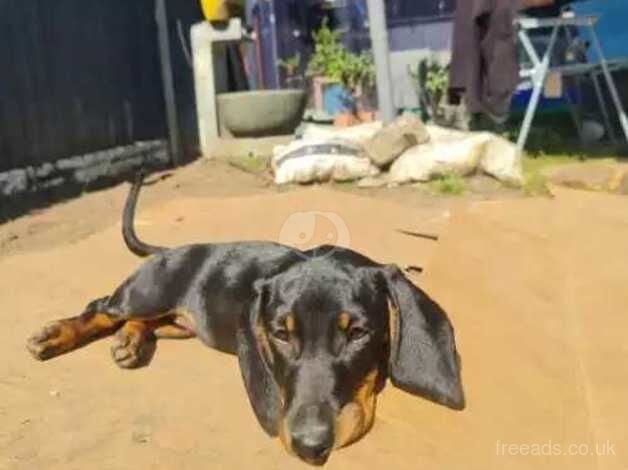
(210, 78)
(379, 41)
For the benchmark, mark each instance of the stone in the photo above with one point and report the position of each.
(483, 184)
(390, 142)
(373, 182)
(588, 176)
(82, 169)
(623, 185)
(13, 181)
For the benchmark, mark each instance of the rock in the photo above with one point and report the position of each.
(483, 184)
(623, 185)
(592, 177)
(592, 131)
(390, 142)
(13, 181)
(83, 169)
(372, 182)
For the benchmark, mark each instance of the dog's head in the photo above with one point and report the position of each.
(321, 339)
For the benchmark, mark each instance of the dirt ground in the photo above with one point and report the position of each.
(78, 218)
(188, 408)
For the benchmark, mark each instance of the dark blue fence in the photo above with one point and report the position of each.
(77, 76)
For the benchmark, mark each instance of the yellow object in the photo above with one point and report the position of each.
(221, 10)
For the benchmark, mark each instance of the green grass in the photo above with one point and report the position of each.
(534, 182)
(451, 184)
(249, 163)
(534, 166)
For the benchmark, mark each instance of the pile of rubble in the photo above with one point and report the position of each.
(402, 152)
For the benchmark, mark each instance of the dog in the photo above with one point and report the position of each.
(316, 333)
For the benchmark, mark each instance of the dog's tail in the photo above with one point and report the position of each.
(134, 244)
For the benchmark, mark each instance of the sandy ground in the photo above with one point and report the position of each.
(78, 218)
(540, 374)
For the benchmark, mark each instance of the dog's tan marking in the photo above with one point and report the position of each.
(393, 323)
(173, 331)
(356, 418)
(344, 319)
(284, 435)
(185, 320)
(290, 323)
(262, 341)
(68, 334)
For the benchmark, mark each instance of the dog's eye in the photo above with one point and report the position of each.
(281, 334)
(356, 333)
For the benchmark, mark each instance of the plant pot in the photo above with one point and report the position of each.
(331, 97)
(260, 113)
(366, 104)
(346, 119)
(366, 116)
(337, 99)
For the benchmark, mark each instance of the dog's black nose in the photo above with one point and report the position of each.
(312, 432)
(314, 446)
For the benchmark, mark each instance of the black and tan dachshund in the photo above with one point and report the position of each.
(316, 333)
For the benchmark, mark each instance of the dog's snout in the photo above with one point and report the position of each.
(313, 434)
(313, 446)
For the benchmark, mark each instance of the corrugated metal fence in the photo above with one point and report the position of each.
(77, 76)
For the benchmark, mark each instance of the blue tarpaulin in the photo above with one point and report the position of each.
(612, 28)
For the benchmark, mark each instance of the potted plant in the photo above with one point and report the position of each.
(291, 67)
(432, 79)
(342, 81)
(358, 77)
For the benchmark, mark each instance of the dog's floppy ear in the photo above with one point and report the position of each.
(423, 358)
(253, 358)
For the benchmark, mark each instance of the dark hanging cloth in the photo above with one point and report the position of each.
(484, 58)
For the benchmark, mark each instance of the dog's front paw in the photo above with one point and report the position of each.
(47, 342)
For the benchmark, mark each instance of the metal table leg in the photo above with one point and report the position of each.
(602, 104)
(623, 119)
(538, 79)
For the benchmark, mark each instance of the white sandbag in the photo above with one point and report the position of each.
(357, 134)
(461, 153)
(439, 133)
(460, 156)
(502, 160)
(320, 160)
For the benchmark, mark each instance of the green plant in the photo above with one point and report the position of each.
(451, 184)
(291, 64)
(329, 54)
(433, 81)
(358, 71)
(332, 60)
